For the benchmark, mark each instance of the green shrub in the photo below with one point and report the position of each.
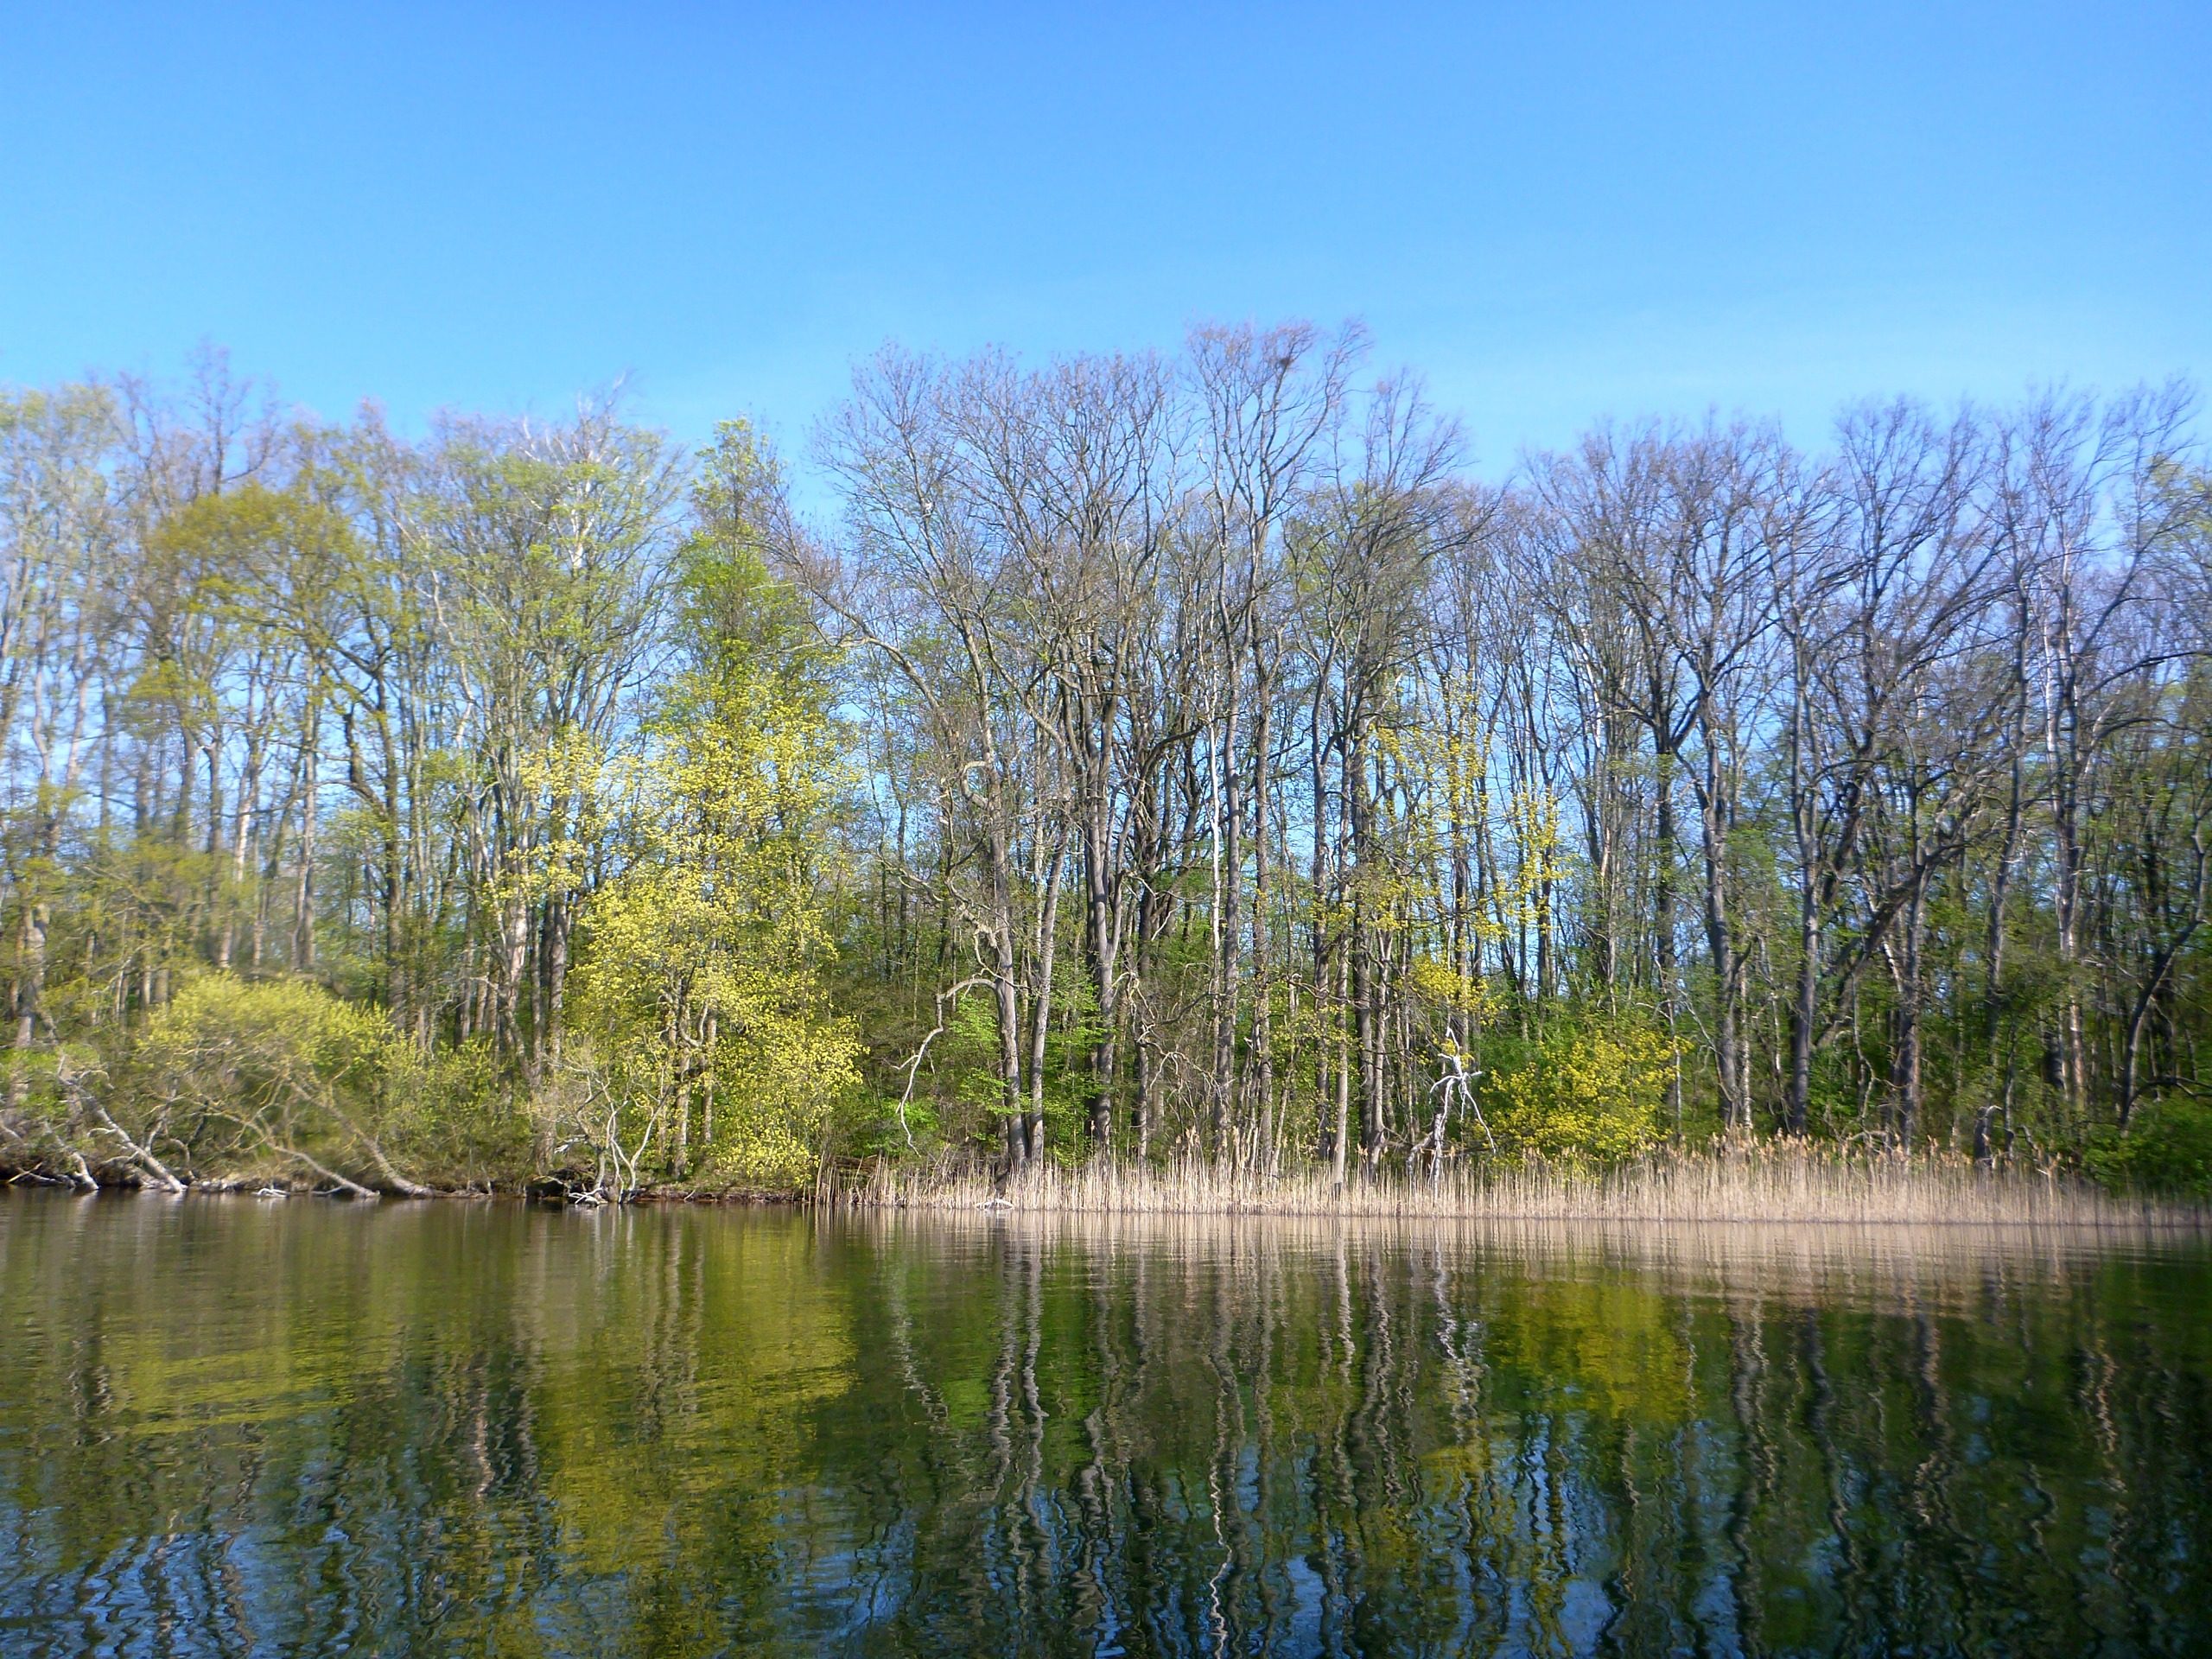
(2166, 1148)
(1583, 1094)
(275, 1076)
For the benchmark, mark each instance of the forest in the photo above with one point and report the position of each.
(1135, 758)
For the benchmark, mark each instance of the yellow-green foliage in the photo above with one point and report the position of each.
(223, 1037)
(1434, 982)
(279, 1068)
(699, 999)
(1583, 1094)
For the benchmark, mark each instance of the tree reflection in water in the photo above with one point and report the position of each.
(230, 1428)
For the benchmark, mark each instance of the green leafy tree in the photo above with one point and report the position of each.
(714, 1053)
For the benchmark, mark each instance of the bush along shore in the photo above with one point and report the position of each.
(1150, 782)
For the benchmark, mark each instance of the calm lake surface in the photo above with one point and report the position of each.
(241, 1427)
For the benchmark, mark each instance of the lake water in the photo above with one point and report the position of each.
(241, 1427)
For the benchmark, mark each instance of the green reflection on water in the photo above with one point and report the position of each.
(231, 1427)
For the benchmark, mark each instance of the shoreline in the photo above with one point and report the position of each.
(1792, 1187)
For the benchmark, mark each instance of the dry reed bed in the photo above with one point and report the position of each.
(1784, 1185)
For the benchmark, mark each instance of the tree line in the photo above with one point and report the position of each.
(1150, 756)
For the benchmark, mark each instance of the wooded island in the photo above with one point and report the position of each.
(1148, 759)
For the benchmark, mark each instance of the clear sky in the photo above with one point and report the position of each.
(1555, 212)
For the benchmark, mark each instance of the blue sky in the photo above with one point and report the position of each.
(1555, 212)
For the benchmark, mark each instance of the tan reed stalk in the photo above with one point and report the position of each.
(1781, 1182)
